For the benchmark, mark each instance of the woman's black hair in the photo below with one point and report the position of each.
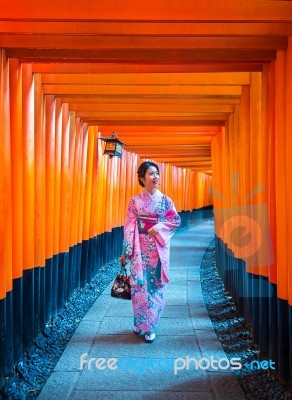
(143, 169)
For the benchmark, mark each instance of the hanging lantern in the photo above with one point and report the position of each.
(113, 146)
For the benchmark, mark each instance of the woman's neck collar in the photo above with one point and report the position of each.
(152, 192)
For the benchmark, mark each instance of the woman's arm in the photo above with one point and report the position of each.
(165, 229)
(129, 231)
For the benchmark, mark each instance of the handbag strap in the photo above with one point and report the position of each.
(123, 270)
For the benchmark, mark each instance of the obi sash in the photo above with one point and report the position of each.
(145, 223)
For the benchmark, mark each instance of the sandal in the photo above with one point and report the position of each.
(149, 337)
(136, 330)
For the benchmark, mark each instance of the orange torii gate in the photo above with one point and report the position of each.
(205, 90)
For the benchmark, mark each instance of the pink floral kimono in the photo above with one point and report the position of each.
(149, 256)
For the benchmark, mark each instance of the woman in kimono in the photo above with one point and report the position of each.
(151, 221)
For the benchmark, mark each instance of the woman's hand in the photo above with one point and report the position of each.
(152, 231)
(123, 260)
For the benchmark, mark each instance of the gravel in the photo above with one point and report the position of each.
(234, 336)
(30, 375)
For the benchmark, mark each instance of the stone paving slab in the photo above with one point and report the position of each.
(145, 371)
(225, 386)
(167, 326)
(180, 311)
(59, 386)
(70, 360)
(85, 331)
(197, 307)
(100, 307)
(152, 379)
(177, 278)
(176, 298)
(166, 347)
(202, 322)
(125, 310)
(140, 395)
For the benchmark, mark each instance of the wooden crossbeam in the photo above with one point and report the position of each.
(139, 42)
(139, 28)
(211, 78)
(84, 67)
(152, 10)
(138, 55)
(161, 90)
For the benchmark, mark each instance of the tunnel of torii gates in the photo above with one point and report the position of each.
(202, 88)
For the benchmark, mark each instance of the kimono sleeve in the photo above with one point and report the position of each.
(129, 229)
(169, 225)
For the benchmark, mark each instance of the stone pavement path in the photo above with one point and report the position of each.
(120, 365)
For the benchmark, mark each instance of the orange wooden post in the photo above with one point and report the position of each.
(6, 299)
(94, 184)
(17, 157)
(73, 222)
(266, 159)
(100, 188)
(122, 189)
(5, 183)
(57, 177)
(221, 191)
(7, 225)
(105, 193)
(168, 177)
(82, 181)
(3, 155)
(50, 174)
(289, 163)
(128, 177)
(281, 177)
(62, 196)
(185, 189)
(40, 153)
(116, 192)
(64, 184)
(255, 157)
(163, 181)
(244, 139)
(225, 185)
(86, 234)
(28, 166)
(69, 128)
(181, 192)
(16, 165)
(109, 194)
(272, 174)
(175, 184)
(178, 188)
(49, 210)
(215, 151)
(82, 260)
(283, 340)
(71, 157)
(28, 301)
(136, 162)
(113, 199)
(190, 189)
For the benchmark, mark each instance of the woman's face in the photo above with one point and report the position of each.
(151, 178)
